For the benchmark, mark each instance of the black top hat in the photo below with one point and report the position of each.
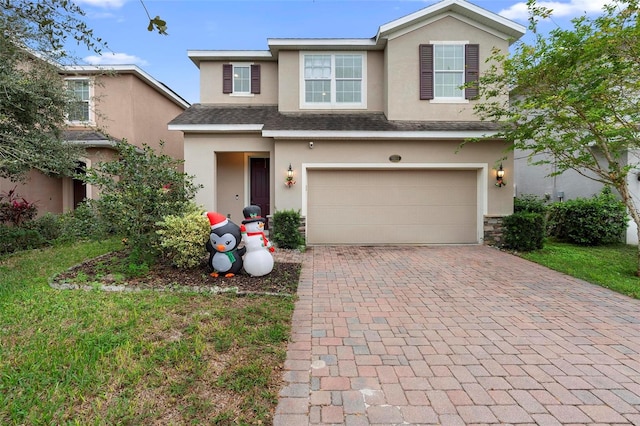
(252, 214)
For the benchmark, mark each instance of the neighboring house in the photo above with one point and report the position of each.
(115, 102)
(370, 129)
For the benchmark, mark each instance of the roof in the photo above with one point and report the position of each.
(498, 25)
(88, 138)
(268, 121)
(127, 69)
(460, 9)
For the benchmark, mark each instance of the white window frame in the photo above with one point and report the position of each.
(332, 104)
(235, 65)
(448, 99)
(89, 102)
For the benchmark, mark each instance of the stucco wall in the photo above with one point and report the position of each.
(211, 84)
(290, 83)
(131, 109)
(425, 153)
(402, 71)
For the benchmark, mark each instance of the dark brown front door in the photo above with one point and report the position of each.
(79, 187)
(260, 195)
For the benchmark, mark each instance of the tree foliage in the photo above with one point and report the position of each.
(33, 97)
(138, 190)
(575, 95)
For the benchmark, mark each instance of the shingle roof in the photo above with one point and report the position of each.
(271, 119)
(83, 135)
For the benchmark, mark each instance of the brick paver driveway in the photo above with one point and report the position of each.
(456, 335)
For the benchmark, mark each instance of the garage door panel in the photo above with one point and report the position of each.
(363, 234)
(406, 196)
(391, 206)
(443, 215)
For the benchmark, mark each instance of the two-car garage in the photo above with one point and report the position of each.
(392, 206)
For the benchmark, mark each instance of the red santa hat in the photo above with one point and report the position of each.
(217, 219)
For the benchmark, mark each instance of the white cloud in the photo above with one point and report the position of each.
(115, 59)
(568, 9)
(107, 4)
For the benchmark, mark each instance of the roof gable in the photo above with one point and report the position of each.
(460, 9)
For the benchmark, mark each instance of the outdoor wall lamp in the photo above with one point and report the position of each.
(500, 177)
(289, 182)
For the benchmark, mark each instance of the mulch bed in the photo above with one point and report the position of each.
(97, 274)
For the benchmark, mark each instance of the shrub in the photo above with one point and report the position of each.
(183, 238)
(594, 221)
(48, 227)
(15, 238)
(84, 222)
(285, 231)
(15, 209)
(524, 231)
(137, 191)
(529, 203)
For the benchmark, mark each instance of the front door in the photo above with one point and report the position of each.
(260, 195)
(79, 186)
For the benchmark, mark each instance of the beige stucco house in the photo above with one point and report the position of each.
(115, 102)
(370, 129)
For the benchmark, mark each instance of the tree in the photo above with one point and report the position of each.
(34, 100)
(33, 97)
(137, 191)
(575, 96)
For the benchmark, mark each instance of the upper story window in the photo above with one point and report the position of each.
(241, 79)
(445, 68)
(79, 109)
(333, 80)
(448, 70)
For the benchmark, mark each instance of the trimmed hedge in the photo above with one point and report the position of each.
(594, 221)
(524, 231)
(285, 231)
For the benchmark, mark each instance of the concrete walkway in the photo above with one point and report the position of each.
(456, 335)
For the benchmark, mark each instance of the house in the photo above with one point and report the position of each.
(369, 129)
(114, 103)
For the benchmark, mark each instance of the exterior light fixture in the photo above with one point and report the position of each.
(289, 182)
(500, 177)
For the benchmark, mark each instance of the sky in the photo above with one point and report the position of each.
(248, 24)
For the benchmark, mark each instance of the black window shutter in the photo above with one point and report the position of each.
(227, 78)
(426, 71)
(472, 70)
(255, 78)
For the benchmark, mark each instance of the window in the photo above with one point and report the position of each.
(333, 80)
(446, 68)
(79, 108)
(448, 71)
(241, 79)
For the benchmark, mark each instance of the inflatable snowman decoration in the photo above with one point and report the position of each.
(224, 255)
(258, 260)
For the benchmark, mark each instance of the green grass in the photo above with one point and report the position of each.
(612, 266)
(92, 357)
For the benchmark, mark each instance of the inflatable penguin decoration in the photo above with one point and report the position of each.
(258, 260)
(224, 255)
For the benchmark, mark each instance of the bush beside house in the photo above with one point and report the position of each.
(285, 231)
(601, 219)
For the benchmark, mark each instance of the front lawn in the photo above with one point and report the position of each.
(94, 357)
(611, 266)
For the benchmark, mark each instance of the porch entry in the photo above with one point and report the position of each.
(259, 186)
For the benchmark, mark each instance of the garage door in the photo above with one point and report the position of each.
(392, 207)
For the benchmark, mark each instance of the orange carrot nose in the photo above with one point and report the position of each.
(220, 247)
